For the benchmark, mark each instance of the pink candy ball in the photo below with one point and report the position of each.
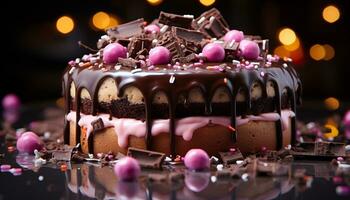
(127, 169)
(112, 52)
(234, 35)
(197, 182)
(152, 28)
(28, 142)
(214, 52)
(197, 159)
(159, 55)
(11, 102)
(249, 49)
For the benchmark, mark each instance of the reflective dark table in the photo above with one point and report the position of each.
(92, 181)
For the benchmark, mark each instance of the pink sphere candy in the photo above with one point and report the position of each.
(112, 52)
(197, 182)
(249, 49)
(234, 35)
(214, 52)
(127, 169)
(152, 28)
(11, 102)
(28, 142)
(197, 159)
(159, 55)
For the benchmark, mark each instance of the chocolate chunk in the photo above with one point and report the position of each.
(265, 167)
(189, 58)
(231, 157)
(231, 49)
(97, 125)
(232, 171)
(264, 47)
(188, 35)
(205, 17)
(319, 150)
(137, 45)
(127, 30)
(175, 20)
(64, 154)
(147, 159)
(124, 42)
(215, 28)
(129, 62)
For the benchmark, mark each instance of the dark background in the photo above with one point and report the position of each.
(35, 53)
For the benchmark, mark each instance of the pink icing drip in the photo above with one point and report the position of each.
(185, 127)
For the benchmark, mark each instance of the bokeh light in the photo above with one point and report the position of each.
(333, 131)
(207, 2)
(281, 51)
(113, 21)
(154, 2)
(330, 53)
(317, 52)
(287, 36)
(65, 24)
(331, 103)
(294, 46)
(101, 20)
(331, 14)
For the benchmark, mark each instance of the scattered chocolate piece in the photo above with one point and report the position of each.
(215, 28)
(125, 31)
(64, 154)
(232, 171)
(138, 46)
(147, 159)
(271, 168)
(188, 35)
(189, 58)
(319, 150)
(231, 157)
(129, 62)
(97, 125)
(175, 20)
(204, 18)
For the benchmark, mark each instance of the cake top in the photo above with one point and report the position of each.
(179, 42)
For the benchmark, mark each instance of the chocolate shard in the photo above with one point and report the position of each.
(264, 47)
(319, 150)
(204, 18)
(97, 125)
(129, 62)
(146, 158)
(189, 58)
(127, 30)
(231, 157)
(175, 20)
(188, 35)
(137, 45)
(231, 50)
(64, 154)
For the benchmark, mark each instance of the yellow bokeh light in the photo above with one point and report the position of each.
(317, 52)
(287, 36)
(329, 52)
(331, 103)
(101, 20)
(333, 131)
(113, 21)
(294, 46)
(65, 24)
(331, 14)
(154, 2)
(207, 2)
(282, 52)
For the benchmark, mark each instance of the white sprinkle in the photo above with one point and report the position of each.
(58, 141)
(117, 67)
(213, 179)
(91, 155)
(219, 167)
(37, 154)
(211, 19)
(167, 159)
(47, 135)
(347, 147)
(164, 28)
(285, 65)
(236, 62)
(262, 73)
(71, 70)
(154, 42)
(105, 37)
(40, 178)
(201, 20)
(256, 66)
(172, 79)
(289, 147)
(77, 146)
(39, 162)
(238, 162)
(214, 159)
(245, 177)
(188, 16)
(136, 70)
(264, 44)
(77, 60)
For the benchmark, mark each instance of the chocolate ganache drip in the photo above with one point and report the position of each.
(172, 56)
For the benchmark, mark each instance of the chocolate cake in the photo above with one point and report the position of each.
(180, 83)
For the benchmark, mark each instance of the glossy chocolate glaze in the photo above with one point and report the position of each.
(149, 82)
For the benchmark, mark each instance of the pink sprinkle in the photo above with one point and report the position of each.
(71, 63)
(250, 66)
(16, 170)
(197, 64)
(110, 157)
(262, 73)
(5, 167)
(340, 159)
(99, 155)
(151, 67)
(337, 180)
(232, 149)
(201, 61)
(246, 62)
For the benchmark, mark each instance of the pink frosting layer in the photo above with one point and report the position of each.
(185, 127)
